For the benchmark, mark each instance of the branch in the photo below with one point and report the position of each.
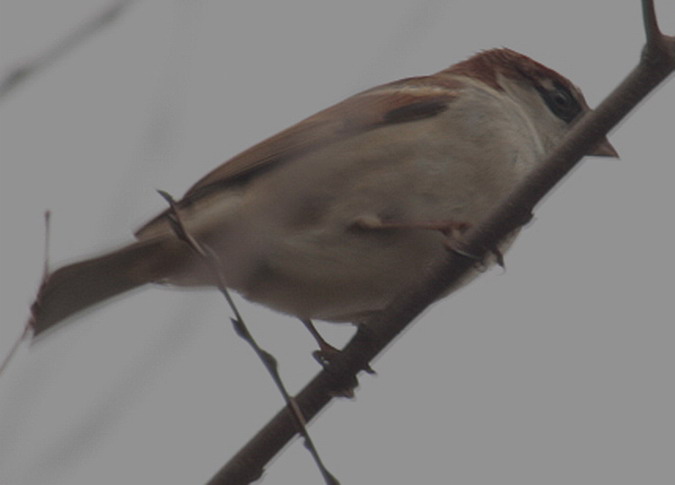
(24, 71)
(657, 62)
(213, 262)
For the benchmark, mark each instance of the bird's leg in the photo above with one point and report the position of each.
(326, 350)
(449, 228)
(324, 356)
(452, 230)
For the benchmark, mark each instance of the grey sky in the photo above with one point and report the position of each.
(557, 371)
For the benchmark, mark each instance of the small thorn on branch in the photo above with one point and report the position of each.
(268, 360)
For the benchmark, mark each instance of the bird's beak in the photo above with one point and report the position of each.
(604, 149)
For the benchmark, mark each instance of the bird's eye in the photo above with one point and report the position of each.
(562, 99)
(561, 102)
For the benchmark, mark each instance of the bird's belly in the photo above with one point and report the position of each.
(290, 242)
(339, 277)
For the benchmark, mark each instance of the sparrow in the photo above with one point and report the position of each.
(335, 216)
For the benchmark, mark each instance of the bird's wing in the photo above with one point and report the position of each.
(398, 102)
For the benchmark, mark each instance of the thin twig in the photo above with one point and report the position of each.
(28, 69)
(375, 335)
(45, 267)
(24, 336)
(651, 25)
(28, 329)
(270, 363)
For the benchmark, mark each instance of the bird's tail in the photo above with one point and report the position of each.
(78, 286)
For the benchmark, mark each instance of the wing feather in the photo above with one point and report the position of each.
(398, 102)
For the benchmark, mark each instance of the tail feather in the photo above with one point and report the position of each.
(78, 286)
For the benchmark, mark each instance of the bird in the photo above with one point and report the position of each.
(335, 216)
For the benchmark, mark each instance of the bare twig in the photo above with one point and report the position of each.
(28, 329)
(24, 336)
(657, 62)
(270, 363)
(651, 25)
(24, 71)
(45, 267)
